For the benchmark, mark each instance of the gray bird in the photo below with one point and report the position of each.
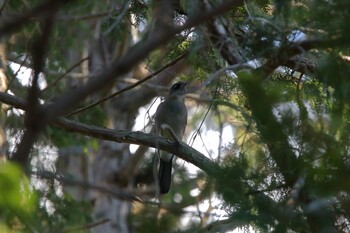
(172, 112)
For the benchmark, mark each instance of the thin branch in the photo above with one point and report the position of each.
(217, 74)
(119, 18)
(22, 64)
(197, 131)
(128, 87)
(54, 83)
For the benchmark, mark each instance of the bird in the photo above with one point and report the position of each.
(173, 113)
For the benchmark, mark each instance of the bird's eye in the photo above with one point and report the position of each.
(175, 86)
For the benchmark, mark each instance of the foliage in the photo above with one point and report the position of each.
(286, 97)
(17, 201)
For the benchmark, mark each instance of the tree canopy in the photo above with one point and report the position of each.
(275, 73)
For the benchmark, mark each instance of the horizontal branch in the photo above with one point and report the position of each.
(182, 150)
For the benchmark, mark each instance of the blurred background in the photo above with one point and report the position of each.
(268, 102)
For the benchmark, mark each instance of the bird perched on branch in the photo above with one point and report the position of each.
(171, 113)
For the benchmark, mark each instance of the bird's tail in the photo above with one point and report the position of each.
(165, 175)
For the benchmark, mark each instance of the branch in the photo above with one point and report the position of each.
(55, 82)
(20, 21)
(284, 55)
(128, 87)
(219, 34)
(302, 65)
(119, 18)
(135, 55)
(182, 150)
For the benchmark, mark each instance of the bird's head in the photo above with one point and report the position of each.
(178, 89)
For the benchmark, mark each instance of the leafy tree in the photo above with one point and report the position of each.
(276, 72)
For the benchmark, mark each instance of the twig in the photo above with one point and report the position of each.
(119, 18)
(197, 131)
(128, 87)
(216, 74)
(16, 73)
(64, 74)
